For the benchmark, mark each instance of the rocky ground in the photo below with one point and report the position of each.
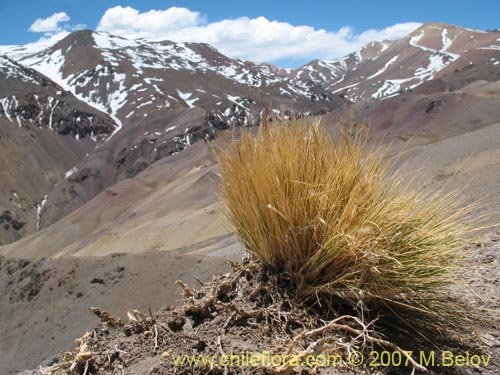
(249, 311)
(44, 303)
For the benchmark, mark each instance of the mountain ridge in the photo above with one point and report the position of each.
(160, 97)
(108, 194)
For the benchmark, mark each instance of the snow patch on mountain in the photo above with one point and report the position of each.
(19, 52)
(5, 102)
(109, 41)
(12, 70)
(52, 66)
(447, 42)
(388, 64)
(346, 87)
(236, 100)
(436, 63)
(39, 209)
(392, 87)
(71, 172)
(186, 97)
(415, 39)
(497, 48)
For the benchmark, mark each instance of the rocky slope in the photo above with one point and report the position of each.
(47, 301)
(386, 69)
(102, 152)
(250, 312)
(163, 97)
(44, 132)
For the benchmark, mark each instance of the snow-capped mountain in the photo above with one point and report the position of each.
(385, 69)
(44, 132)
(160, 98)
(131, 79)
(28, 97)
(118, 106)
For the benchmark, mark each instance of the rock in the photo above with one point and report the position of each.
(490, 340)
(176, 323)
(97, 280)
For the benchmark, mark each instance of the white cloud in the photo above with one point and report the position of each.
(154, 24)
(49, 24)
(257, 39)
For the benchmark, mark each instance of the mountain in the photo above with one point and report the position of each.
(385, 69)
(44, 132)
(160, 99)
(132, 79)
(163, 96)
(102, 143)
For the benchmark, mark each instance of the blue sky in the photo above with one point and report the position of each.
(287, 33)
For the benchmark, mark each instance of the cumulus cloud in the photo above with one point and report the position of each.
(257, 39)
(154, 24)
(49, 24)
(54, 27)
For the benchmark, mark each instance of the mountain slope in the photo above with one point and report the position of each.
(44, 131)
(386, 69)
(173, 203)
(170, 205)
(164, 96)
(54, 295)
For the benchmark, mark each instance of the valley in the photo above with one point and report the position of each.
(105, 145)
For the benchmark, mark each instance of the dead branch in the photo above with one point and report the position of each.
(187, 290)
(232, 307)
(334, 325)
(106, 317)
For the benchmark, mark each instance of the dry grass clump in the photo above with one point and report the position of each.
(336, 218)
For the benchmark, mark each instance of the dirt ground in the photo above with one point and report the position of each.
(44, 304)
(246, 312)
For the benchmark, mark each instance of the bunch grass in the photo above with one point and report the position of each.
(342, 221)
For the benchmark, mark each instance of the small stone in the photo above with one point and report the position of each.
(176, 323)
(490, 340)
(165, 355)
(83, 356)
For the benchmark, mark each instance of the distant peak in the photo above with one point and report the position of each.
(83, 32)
(441, 26)
(80, 36)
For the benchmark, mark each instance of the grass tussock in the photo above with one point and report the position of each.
(336, 218)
